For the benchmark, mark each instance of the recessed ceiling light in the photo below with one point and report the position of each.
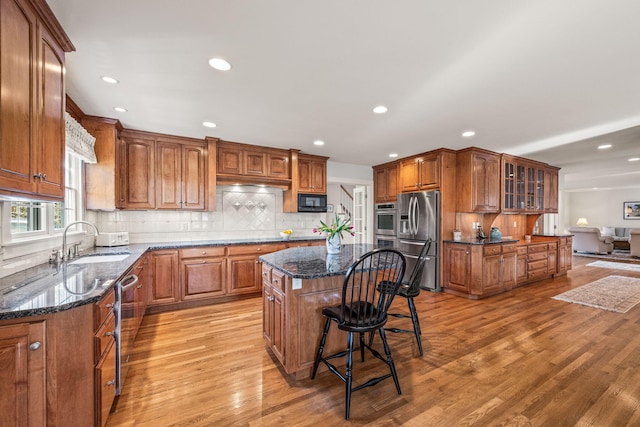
(209, 124)
(318, 142)
(604, 146)
(120, 109)
(634, 159)
(393, 155)
(220, 64)
(468, 133)
(111, 80)
(380, 109)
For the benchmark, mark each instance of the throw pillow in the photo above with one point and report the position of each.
(608, 231)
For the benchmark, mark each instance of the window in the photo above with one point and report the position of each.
(28, 220)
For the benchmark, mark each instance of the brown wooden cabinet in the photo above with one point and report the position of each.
(565, 254)
(164, 288)
(312, 174)
(22, 363)
(181, 175)
(457, 278)
(105, 355)
(420, 173)
(385, 182)
(551, 190)
(521, 265)
(250, 163)
(32, 106)
(478, 181)
(528, 186)
(244, 268)
(499, 268)
(102, 178)
(203, 272)
(273, 310)
(137, 172)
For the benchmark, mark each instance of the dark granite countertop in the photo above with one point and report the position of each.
(50, 288)
(481, 241)
(313, 262)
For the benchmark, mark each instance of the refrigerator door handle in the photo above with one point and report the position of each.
(416, 215)
(412, 243)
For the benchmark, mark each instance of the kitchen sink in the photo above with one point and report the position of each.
(93, 259)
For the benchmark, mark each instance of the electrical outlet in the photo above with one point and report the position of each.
(515, 224)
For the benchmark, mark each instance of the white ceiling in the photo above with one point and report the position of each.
(530, 77)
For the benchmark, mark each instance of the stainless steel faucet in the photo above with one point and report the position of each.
(64, 237)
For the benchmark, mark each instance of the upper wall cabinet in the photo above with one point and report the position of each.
(478, 181)
(385, 182)
(181, 175)
(528, 186)
(101, 178)
(32, 101)
(252, 164)
(420, 173)
(312, 174)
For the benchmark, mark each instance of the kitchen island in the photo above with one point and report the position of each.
(297, 284)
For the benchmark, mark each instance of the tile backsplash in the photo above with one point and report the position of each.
(241, 212)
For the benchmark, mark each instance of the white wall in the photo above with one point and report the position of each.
(602, 208)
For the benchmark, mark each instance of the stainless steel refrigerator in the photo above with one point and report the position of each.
(419, 220)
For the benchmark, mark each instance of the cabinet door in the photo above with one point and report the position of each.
(203, 278)
(552, 260)
(492, 274)
(409, 175)
(508, 185)
(551, 191)
(22, 363)
(278, 165)
(509, 271)
(457, 267)
(139, 173)
(17, 115)
(273, 321)
(229, 160)
(430, 172)
(243, 274)
(164, 288)
(169, 173)
(380, 177)
(105, 384)
(51, 126)
(194, 177)
(255, 163)
(485, 182)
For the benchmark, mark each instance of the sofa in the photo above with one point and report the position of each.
(589, 239)
(620, 236)
(634, 242)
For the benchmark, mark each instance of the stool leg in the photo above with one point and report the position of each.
(348, 378)
(416, 323)
(327, 323)
(392, 367)
(362, 345)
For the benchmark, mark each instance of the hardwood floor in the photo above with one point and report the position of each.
(516, 359)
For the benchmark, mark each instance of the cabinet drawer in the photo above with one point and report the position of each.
(537, 256)
(538, 248)
(536, 273)
(105, 384)
(492, 250)
(205, 251)
(509, 249)
(553, 246)
(277, 279)
(105, 335)
(256, 249)
(522, 250)
(537, 265)
(104, 307)
(266, 274)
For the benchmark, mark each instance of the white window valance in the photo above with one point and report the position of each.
(79, 140)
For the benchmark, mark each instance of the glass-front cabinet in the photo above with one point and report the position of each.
(528, 186)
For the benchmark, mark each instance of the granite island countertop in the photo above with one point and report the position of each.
(50, 288)
(313, 262)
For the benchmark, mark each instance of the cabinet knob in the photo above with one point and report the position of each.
(110, 333)
(34, 345)
(110, 383)
(139, 286)
(109, 306)
(204, 252)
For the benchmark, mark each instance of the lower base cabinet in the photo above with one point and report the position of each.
(105, 384)
(479, 270)
(273, 311)
(22, 364)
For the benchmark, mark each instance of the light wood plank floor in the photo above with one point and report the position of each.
(516, 359)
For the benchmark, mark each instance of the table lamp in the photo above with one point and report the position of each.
(582, 222)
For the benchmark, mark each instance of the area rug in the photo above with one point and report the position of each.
(615, 265)
(617, 254)
(612, 293)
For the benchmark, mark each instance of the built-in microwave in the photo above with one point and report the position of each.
(312, 202)
(385, 217)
